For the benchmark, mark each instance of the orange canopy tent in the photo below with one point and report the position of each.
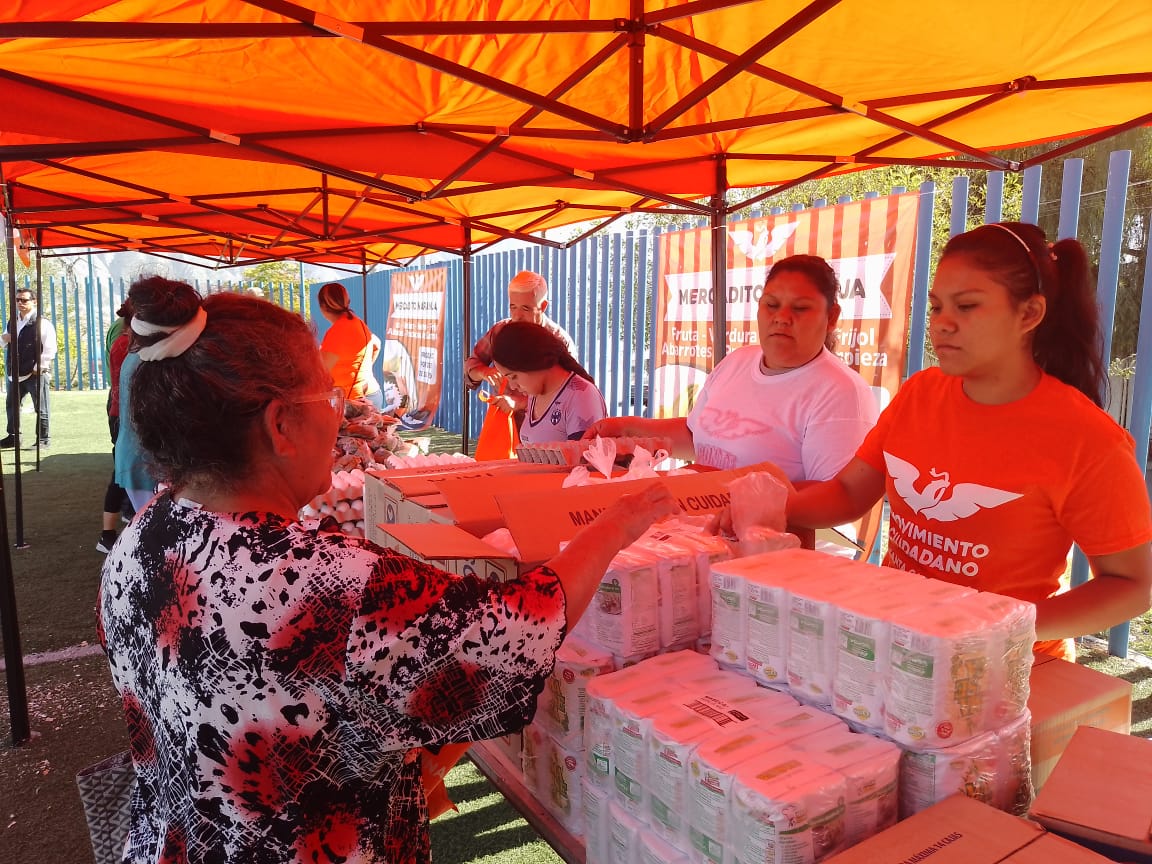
(365, 132)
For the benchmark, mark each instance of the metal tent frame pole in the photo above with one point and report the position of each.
(466, 337)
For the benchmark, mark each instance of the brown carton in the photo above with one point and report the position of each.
(958, 830)
(1100, 793)
(1064, 696)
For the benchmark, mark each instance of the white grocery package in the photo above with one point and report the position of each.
(813, 606)
(993, 767)
(803, 721)
(708, 549)
(623, 834)
(758, 540)
(601, 690)
(786, 810)
(864, 646)
(561, 706)
(560, 785)
(758, 501)
(631, 715)
(595, 799)
(624, 615)
(710, 778)
(945, 664)
(652, 850)
(673, 735)
(676, 580)
(871, 769)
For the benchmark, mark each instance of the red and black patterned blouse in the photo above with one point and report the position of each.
(277, 681)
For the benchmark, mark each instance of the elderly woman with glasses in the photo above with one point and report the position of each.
(279, 680)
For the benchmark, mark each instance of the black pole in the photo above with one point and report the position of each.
(40, 353)
(719, 238)
(13, 373)
(9, 625)
(465, 393)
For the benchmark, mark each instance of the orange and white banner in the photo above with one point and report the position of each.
(870, 244)
(414, 343)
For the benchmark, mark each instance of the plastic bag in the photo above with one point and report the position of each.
(499, 436)
(758, 499)
(601, 455)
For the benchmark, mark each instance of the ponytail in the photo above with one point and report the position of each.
(571, 364)
(1067, 343)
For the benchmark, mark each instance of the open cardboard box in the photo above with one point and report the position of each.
(1100, 794)
(540, 523)
(1065, 696)
(451, 549)
(385, 491)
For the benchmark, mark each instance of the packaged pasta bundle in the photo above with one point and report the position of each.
(939, 680)
(623, 834)
(994, 767)
(560, 785)
(1014, 623)
(560, 707)
(653, 850)
(871, 769)
(786, 810)
(707, 549)
(813, 636)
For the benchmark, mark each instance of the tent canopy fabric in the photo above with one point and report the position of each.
(360, 132)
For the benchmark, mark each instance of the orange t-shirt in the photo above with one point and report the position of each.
(993, 496)
(350, 340)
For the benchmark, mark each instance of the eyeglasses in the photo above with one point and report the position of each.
(25, 299)
(334, 398)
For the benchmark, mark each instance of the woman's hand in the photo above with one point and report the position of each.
(609, 427)
(635, 513)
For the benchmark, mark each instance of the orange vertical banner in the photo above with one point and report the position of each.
(870, 244)
(414, 344)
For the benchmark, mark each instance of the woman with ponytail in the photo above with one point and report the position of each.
(563, 400)
(349, 348)
(996, 461)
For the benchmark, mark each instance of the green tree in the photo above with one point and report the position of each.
(277, 281)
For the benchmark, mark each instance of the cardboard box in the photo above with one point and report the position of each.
(472, 500)
(451, 549)
(1065, 696)
(1101, 793)
(958, 830)
(1051, 849)
(540, 523)
(385, 491)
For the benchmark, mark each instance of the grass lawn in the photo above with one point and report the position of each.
(76, 716)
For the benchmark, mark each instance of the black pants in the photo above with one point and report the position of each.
(35, 386)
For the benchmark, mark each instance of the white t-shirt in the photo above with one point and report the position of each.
(809, 421)
(576, 407)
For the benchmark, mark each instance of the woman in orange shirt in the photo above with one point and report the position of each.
(349, 348)
(1000, 458)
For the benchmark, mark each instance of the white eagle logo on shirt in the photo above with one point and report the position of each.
(964, 500)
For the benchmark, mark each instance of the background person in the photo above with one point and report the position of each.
(787, 400)
(114, 496)
(349, 348)
(158, 306)
(36, 344)
(1002, 454)
(563, 400)
(527, 301)
(279, 680)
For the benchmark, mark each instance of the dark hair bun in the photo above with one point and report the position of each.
(157, 300)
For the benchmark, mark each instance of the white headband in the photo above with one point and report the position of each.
(178, 340)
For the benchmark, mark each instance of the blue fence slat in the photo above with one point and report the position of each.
(601, 291)
(994, 197)
(1070, 183)
(958, 218)
(918, 316)
(1030, 195)
(642, 378)
(1111, 240)
(653, 264)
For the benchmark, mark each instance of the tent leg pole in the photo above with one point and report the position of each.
(466, 339)
(719, 238)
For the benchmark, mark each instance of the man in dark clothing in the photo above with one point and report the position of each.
(36, 349)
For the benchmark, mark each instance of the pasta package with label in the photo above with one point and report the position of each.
(957, 671)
